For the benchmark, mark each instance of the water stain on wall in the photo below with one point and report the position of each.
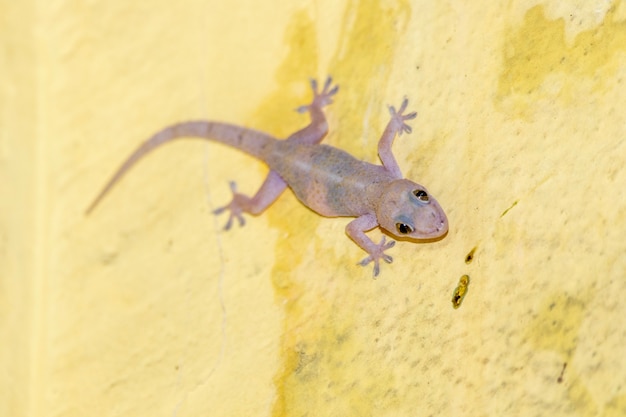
(539, 62)
(321, 362)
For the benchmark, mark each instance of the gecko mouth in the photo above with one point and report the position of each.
(422, 237)
(436, 229)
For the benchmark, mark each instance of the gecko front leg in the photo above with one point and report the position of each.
(396, 125)
(356, 231)
(272, 188)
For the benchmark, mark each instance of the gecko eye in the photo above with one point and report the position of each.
(421, 195)
(403, 229)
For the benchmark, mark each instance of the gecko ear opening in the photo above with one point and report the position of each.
(405, 209)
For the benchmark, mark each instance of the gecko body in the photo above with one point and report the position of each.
(326, 179)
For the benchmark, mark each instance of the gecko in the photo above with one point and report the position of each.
(328, 180)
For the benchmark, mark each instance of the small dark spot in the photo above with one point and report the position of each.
(507, 210)
(470, 256)
(560, 378)
(239, 138)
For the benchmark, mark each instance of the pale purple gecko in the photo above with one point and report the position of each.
(328, 180)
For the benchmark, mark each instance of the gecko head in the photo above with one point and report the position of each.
(406, 210)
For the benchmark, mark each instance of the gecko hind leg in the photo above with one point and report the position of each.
(318, 128)
(272, 188)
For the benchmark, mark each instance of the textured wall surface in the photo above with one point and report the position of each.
(147, 307)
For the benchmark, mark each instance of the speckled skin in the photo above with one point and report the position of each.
(328, 180)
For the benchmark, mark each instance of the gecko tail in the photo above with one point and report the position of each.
(250, 141)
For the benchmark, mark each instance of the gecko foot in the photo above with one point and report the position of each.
(320, 99)
(237, 206)
(398, 119)
(377, 254)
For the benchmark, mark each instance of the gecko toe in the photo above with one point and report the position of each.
(376, 270)
(365, 261)
(329, 81)
(228, 224)
(405, 103)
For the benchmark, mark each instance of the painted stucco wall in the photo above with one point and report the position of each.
(146, 307)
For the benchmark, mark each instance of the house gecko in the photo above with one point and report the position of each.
(328, 180)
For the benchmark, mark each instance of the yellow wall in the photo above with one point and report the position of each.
(147, 308)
